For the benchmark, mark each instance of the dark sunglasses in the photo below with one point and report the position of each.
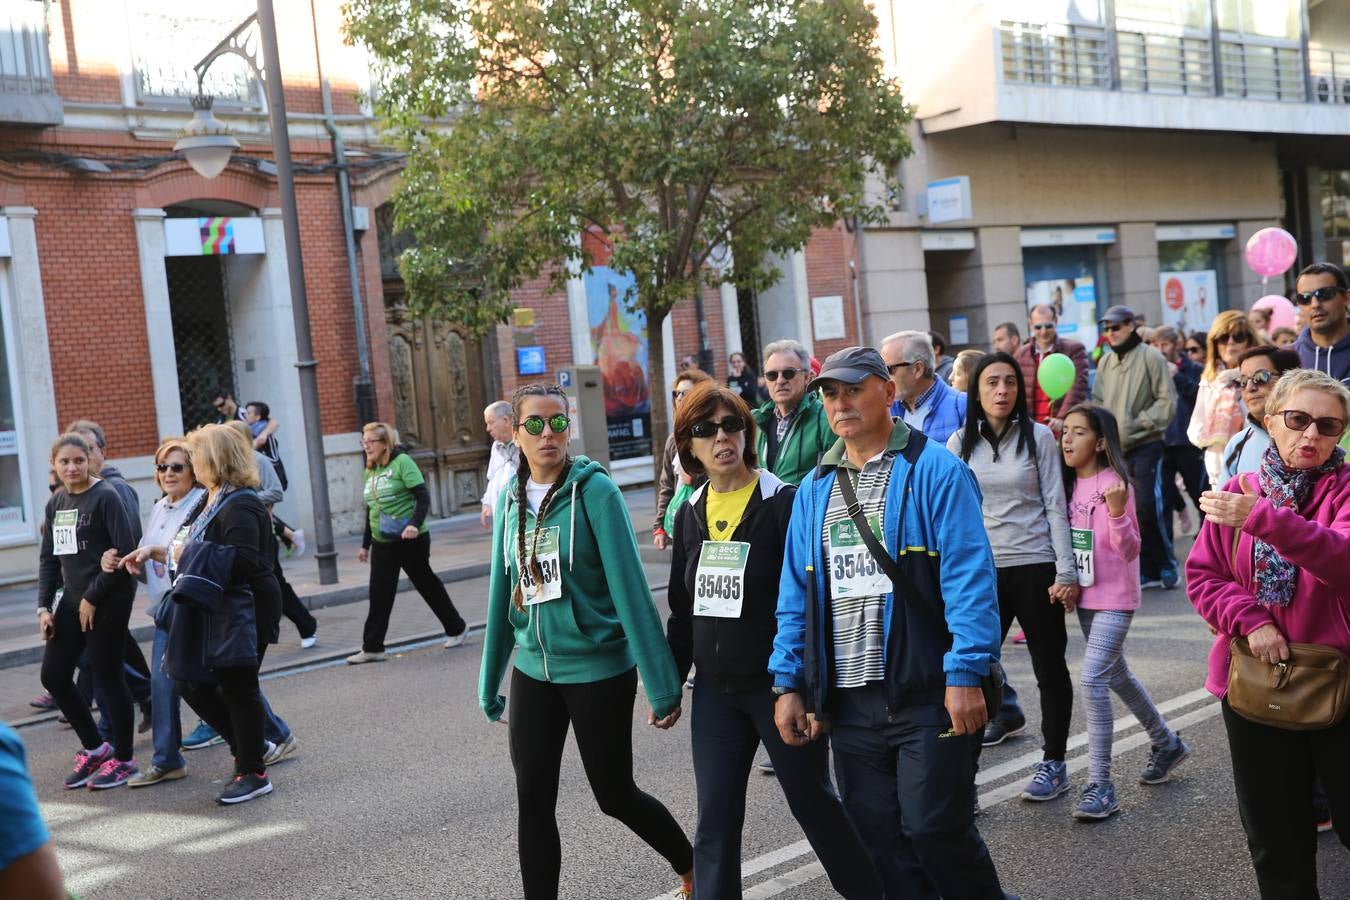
(1236, 337)
(1258, 379)
(534, 425)
(1327, 426)
(1114, 327)
(1196, 351)
(787, 374)
(1323, 293)
(1044, 326)
(708, 428)
(891, 368)
(175, 468)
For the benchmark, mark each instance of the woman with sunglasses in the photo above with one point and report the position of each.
(568, 592)
(396, 539)
(1272, 565)
(1258, 371)
(1218, 404)
(1195, 347)
(674, 480)
(729, 541)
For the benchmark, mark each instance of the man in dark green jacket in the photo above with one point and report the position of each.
(793, 429)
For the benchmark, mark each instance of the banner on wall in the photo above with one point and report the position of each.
(1075, 302)
(1190, 300)
(619, 339)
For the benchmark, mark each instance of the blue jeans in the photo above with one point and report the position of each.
(1156, 559)
(275, 728)
(166, 723)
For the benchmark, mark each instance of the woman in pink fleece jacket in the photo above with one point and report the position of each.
(1289, 580)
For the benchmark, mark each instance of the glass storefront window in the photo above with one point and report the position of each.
(14, 518)
(1073, 280)
(1191, 282)
(1335, 193)
(1261, 18)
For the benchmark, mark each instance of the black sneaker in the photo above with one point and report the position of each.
(996, 731)
(245, 788)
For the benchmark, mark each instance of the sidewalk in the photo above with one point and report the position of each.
(460, 551)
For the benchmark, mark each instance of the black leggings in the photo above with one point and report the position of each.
(107, 644)
(413, 557)
(234, 708)
(1023, 592)
(601, 715)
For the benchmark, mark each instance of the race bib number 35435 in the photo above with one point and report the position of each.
(719, 585)
(853, 570)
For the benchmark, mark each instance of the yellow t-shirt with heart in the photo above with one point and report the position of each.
(725, 510)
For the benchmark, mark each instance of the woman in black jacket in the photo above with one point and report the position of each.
(728, 555)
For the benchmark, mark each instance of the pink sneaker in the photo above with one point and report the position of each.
(1020, 637)
(87, 764)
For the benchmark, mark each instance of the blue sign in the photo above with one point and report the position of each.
(530, 361)
(565, 378)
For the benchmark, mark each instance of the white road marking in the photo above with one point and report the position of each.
(809, 872)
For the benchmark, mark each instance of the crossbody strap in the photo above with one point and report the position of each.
(875, 547)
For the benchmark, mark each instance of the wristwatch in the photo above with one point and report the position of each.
(780, 691)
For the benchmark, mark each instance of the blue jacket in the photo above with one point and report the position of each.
(1187, 383)
(946, 636)
(947, 416)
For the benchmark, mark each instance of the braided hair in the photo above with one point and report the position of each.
(537, 389)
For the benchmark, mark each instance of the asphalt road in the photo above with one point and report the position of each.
(402, 790)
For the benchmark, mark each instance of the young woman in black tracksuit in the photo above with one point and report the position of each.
(728, 554)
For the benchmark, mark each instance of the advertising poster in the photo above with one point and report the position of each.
(1190, 299)
(619, 339)
(1075, 301)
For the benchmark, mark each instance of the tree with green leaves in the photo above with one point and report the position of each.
(674, 130)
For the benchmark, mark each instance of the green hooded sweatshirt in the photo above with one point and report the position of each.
(604, 623)
(808, 437)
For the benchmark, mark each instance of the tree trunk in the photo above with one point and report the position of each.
(656, 385)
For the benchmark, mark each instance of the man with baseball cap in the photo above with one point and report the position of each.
(897, 678)
(1134, 384)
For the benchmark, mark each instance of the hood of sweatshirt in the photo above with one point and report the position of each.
(769, 485)
(1334, 360)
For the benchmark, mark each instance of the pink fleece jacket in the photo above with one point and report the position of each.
(1115, 550)
(1316, 539)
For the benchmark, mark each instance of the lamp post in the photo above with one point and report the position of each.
(206, 144)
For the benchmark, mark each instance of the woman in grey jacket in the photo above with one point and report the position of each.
(1016, 462)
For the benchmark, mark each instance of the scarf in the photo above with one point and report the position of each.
(1285, 488)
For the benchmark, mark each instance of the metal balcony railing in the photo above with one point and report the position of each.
(27, 93)
(1165, 63)
(1261, 69)
(1055, 54)
(1329, 74)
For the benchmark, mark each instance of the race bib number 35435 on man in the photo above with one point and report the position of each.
(719, 585)
(63, 532)
(853, 571)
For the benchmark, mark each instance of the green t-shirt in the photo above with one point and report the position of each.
(388, 490)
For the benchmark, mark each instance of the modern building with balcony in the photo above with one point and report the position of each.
(1093, 152)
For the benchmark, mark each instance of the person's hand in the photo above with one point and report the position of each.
(668, 722)
(1056, 425)
(410, 533)
(259, 442)
(966, 707)
(660, 540)
(794, 726)
(135, 561)
(1267, 643)
(1066, 595)
(86, 615)
(817, 728)
(46, 625)
(109, 561)
(485, 517)
(1116, 496)
(1227, 508)
(363, 554)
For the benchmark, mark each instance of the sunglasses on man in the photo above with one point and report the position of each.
(534, 425)
(785, 374)
(1324, 294)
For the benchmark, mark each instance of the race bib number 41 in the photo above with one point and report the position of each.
(1082, 556)
(549, 584)
(63, 532)
(853, 571)
(719, 585)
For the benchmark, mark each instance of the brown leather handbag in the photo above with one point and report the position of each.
(1309, 691)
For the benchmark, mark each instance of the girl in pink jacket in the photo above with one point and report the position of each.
(1105, 532)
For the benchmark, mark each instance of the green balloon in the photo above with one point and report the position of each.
(1055, 376)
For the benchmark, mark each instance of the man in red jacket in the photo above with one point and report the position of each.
(1044, 340)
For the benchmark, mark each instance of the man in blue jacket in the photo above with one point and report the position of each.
(897, 680)
(924, 400)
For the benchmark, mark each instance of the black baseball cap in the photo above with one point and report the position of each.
(1116, 315)
(851, 365)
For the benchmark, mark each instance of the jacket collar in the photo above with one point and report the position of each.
(837, 456)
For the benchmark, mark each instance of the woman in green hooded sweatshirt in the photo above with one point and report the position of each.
(580, 616)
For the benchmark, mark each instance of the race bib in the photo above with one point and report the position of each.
(1082, 556)
(63, 532)
(549, 587)
(853, 571)
(719, 585)
(175, 547)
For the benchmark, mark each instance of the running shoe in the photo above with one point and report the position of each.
(114, 773)
(766, 767)
(244, 788)
(202, 736)
(43, 701)
(297, 543)
(1051, 779)
(87, 764)
(456, 640)
(277, 752)
(366, 656)
(996, 731)
(1325, 825)
(1150, 584)
(307, 642)
(1097, 802)
(1020, 637)
(154, 775)
(1170, 579)
(1162, 760)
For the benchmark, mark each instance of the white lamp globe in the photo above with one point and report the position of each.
(206, 143)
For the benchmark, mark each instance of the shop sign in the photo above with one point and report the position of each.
(949, 200)
(1189, 299)
(1067, 237)
(213, 236)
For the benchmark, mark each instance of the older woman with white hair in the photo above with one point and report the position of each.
(1272, 566)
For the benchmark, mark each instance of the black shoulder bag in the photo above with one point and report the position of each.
(991, 685)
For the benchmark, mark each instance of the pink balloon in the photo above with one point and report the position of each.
(1271, 251)
(1282, 313)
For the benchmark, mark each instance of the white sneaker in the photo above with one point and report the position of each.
(277, 752)
(306, 643)
(455, 640)
(298, 542)
(364, 656)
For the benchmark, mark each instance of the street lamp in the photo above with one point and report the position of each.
(206, 144)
